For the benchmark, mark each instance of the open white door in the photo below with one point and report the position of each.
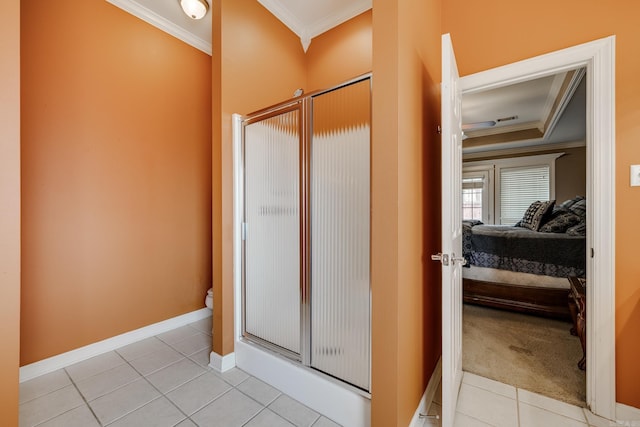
(451, 256)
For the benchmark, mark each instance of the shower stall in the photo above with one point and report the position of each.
(305, 230)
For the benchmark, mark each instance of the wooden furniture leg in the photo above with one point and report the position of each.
(578, 307)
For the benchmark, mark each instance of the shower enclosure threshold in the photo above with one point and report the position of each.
(336, 400)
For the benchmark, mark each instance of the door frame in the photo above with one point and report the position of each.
(598, 57)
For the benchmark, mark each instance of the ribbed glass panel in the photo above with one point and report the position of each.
(340, 211)
(272, 246)
(519, 187)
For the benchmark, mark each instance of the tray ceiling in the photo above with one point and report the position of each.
(546, 110)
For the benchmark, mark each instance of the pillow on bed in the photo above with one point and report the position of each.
(568, 203)
(536, 213)
(579, 208)
(560, 221)
(578, 230)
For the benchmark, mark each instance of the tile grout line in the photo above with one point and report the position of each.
(81, 396)
(133, 410)
(207, 404)
(187, 417)
(45, 394)
(124, 385)
(257, 413)
(545, 409)
(127, 362)
(518, 404)
(155, 388)
(197, 332)
(280, 393)
(232, 383)
(100, 373)
(207, 370)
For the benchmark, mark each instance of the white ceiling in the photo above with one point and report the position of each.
(310, 18)
(547, 110)
(530, 101)
(167, 15)
(306, 18)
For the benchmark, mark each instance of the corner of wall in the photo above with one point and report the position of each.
(10, 212)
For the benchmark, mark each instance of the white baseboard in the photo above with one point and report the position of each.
(222, 363)
(59, 361)
(627, 415)
(429, 394)
(335, 401)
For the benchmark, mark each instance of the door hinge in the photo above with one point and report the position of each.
(439, 130)
(592, 253)
(243, 231)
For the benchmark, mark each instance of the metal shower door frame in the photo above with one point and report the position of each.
(304, 105)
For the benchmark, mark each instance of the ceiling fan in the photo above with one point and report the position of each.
(470, 127)
(486, 124)
(478, 125)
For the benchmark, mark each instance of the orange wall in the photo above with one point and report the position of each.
(498, 32)
(116, 168)
(340, 54)
(260, 62)
(406, 205)
(10, 211)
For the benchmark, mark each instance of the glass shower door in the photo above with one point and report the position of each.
(306, 230)
(271, 229)
(340, 233)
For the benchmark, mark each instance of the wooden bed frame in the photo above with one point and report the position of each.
(547, 302)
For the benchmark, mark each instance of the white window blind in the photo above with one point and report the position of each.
(519, 187)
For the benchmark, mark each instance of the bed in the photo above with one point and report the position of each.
(525, 268)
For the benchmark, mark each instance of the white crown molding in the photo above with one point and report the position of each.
(328, 22)
(523, 150)
(310, 30)
(564, 101)
(503, 129)
(63, 360)
(163, 24)
(284, 15)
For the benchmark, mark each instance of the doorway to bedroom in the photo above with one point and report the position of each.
(524, 226)
(598, 58)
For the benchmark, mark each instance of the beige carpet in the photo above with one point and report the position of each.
(533, 353)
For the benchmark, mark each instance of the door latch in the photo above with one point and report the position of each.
(443, 258)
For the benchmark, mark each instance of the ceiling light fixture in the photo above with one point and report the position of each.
(194, 9)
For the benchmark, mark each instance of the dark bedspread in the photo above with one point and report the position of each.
(523, 250)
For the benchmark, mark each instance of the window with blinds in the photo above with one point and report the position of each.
(519, 187)
(472, 198)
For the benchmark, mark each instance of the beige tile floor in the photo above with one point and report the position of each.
(483, 402)
(159, 381)
(165, 381)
